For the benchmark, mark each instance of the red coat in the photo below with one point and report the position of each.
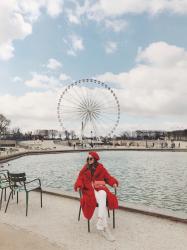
(88, 200)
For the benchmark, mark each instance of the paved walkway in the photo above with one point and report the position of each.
(14, 238)
(55, 226)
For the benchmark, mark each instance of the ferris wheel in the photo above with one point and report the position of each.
(89, 108)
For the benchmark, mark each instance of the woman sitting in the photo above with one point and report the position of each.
(91, 181)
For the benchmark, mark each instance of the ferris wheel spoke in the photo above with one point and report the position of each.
(69, 95)
(96, 116)
(71, 113)
(94, 130)
(80, 98)
(92, 126)
(71, 100)
(102, 127)
(108, 107)
(100, 96)
(110, 113)
(108, 119)
(102, 121)
(85, 98)
(68, 107)
(95, 105)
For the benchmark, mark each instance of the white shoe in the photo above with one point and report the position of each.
(107, 234)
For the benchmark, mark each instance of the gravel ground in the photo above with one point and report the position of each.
(55, 226)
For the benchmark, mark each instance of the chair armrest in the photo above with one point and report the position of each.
(115, 190)
(4, 171)
(3, 176)
(80, 192)
(37, 179)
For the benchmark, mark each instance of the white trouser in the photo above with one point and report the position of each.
(102, 210)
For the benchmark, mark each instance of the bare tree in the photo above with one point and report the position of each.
(67, 135)
(52, 133)
(4, 123)
(125, 135)
(17, 134)
(72, 134)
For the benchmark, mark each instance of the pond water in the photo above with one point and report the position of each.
(157, 179)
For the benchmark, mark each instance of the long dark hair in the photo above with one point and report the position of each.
(92, 167)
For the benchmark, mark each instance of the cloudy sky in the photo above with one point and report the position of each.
(138, 47)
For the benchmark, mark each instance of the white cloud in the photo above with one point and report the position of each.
(53, 64)
(54, 7)
(77, 11)
(33, 110)
(156, 87)
(72, 18)
(42, 81)
(17, 18)
(71, 52)
(17, 79)
(100, 10)
(6, 51)
(162, 54)
(116, 25)
(110, 47)
(64, 77)
(75, 44)
(108, 8)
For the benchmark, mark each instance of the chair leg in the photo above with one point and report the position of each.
(8, 200)
(108, 213)
(1, 198)
(79, 213)
(114, 218)
(17, 196)
(88, 226)
(27, 201)
(41, 197)
(5, 194)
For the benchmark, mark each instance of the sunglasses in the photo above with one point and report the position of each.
(89, 158)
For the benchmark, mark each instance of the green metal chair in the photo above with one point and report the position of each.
(18, 183)
(4, 184)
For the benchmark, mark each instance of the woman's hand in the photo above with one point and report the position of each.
(115, 185)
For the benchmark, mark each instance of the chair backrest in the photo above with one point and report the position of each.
(3, 176)
(16, 178)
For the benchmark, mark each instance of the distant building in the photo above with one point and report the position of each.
(150, 134)
(177, 135)
(46, 133)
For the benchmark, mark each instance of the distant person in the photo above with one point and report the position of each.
(93, 192)
(179, 145)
